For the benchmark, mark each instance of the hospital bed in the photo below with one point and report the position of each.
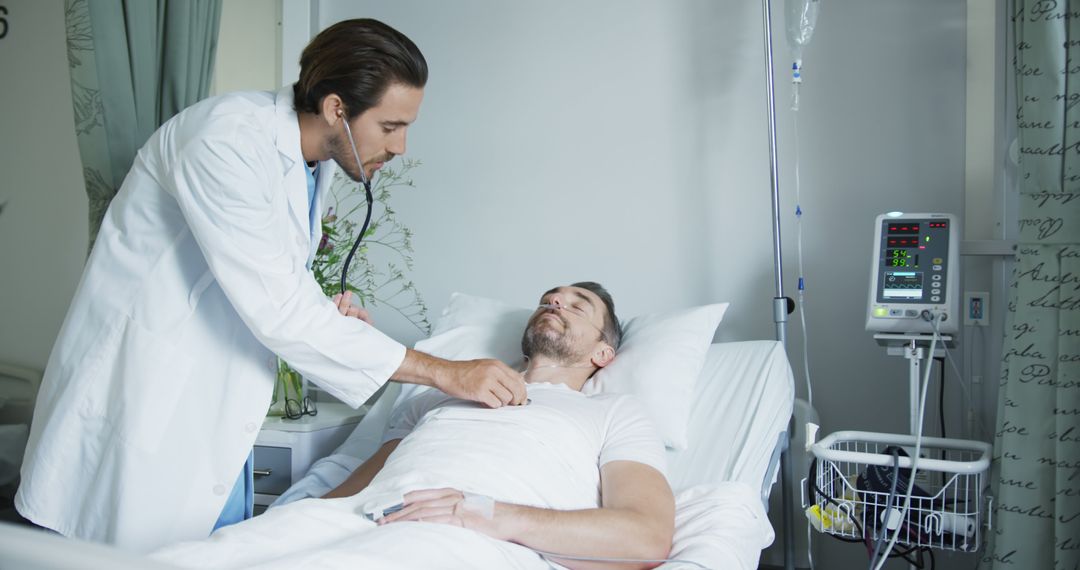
(737, 429)
(742, 403)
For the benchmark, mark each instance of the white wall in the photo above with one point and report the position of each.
(248, 47)
(43, 229)
(563, 142)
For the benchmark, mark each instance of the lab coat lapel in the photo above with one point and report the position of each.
(292, 158)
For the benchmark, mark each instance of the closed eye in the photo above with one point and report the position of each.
(391, 126)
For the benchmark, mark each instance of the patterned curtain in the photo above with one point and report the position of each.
(1036, 482)
(134, 64)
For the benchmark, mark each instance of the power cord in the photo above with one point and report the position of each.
(888, 504)
(967, 390)
(941, 401)
(935, 318)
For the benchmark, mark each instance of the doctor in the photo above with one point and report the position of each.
(164, 367)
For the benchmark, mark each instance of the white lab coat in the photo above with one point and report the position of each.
(164, 367)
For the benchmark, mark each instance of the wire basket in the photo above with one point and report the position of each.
(852, 478)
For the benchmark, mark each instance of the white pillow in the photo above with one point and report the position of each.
(476, 327)
(659, 361)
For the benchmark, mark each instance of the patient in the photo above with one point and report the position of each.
(460, 485)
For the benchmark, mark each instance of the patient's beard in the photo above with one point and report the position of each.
(557, 345)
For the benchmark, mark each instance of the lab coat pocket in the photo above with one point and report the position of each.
(151, 374)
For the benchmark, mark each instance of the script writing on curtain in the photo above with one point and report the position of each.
(1037, 439)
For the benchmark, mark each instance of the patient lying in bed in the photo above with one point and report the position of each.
(456, 485)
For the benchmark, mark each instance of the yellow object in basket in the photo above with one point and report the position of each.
(830, 519)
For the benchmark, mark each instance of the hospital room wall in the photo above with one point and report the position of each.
(43, 227)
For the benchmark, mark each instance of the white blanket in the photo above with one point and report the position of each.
(328, 533)
(717, 526)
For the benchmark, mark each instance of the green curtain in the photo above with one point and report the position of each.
(1036, 476)
(134, 64)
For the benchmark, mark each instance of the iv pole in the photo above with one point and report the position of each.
(781, 305)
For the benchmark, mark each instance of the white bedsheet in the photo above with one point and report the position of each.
(722, 527)
(744, 399)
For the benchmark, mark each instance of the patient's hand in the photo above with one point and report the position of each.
(345, 307)
(635, 519)
(448, 506)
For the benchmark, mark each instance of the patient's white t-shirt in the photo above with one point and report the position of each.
(546, 454)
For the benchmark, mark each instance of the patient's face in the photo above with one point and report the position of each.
(569, 333)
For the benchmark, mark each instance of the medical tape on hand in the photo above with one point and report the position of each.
(482, 505)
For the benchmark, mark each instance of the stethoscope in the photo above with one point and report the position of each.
(367, 192)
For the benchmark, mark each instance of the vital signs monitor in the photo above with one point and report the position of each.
(914, 278)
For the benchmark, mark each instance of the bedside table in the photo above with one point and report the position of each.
(285, 449)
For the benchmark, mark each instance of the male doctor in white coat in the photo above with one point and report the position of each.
(164, 367)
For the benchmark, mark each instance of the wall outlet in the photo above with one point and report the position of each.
(976, 308)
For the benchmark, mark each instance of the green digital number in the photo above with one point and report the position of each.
(3, 22)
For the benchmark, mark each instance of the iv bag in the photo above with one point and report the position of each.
(801, 20)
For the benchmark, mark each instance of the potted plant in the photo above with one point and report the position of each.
(374, 284)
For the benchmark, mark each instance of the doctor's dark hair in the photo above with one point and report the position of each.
(612, 328)
(358, 60)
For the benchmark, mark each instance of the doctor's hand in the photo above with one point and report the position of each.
(345, 307)
(487, 381)
(453, 507)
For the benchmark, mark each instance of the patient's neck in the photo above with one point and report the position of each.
(541, 368)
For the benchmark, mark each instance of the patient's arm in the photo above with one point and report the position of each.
(636, 519)
(363, 475)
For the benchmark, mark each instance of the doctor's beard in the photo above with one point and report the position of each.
(341, 152)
